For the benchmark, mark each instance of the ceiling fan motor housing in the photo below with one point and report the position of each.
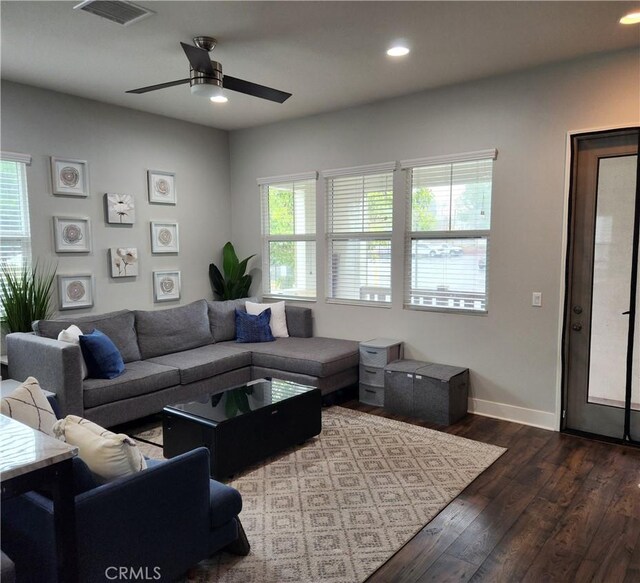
(201, 82)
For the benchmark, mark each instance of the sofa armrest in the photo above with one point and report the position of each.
(56, 365)
(299, 321)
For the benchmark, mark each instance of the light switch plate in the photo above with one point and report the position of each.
(536, 299)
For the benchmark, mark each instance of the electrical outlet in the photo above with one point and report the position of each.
(536, 299)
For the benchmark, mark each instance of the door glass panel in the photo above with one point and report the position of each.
(611, 283)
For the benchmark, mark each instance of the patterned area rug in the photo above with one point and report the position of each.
(338, 507)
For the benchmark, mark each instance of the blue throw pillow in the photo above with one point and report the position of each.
(103, 359)
(253, 328)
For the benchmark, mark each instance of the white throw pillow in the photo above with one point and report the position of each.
(108, 455)
(29, 405)
(278, 317)
(72, 336)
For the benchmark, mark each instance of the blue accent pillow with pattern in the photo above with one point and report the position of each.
(253, 328)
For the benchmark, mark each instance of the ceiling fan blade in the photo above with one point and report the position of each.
(199, 59)
(242, 86)
(160, 86)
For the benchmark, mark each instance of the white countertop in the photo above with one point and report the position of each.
(23, 449)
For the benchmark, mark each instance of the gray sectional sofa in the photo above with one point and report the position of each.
(173, 356)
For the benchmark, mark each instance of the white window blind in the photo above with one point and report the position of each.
(289, 236)
(359, 224)
(15, 234)
(448, 228)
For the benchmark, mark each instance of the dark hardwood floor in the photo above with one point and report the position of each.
(554, 507)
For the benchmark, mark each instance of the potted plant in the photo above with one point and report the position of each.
(235, 283)
(26, 295)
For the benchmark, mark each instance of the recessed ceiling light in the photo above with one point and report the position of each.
(631, 18)
(398, 51)
(218, 99)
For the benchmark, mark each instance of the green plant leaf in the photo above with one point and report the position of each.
(242, 267)
(231, 406)
(26, 294)
(229, 260)
(231, 283)
(217, 281)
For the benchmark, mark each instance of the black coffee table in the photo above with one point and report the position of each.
(245, 424)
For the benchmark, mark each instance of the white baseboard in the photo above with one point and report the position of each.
(533, 417)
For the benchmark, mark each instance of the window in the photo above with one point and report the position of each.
(289, 235)
(359, 224)
(15, 234)
(449, 221)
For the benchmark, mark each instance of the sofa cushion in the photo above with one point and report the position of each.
(139, 378)
(204, 362)
(165, 331)
(102, 356)
(29, 405)
(108, 455)
(119, 326)
(222, 318)
(278, 322)
(318, 357)
(251, 328)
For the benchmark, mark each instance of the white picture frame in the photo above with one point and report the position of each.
(120, 209)
(69, 177)
(166, 286)
(164, 237)
(161, 187)
(76, 291)
(123, 261)
(72, 234)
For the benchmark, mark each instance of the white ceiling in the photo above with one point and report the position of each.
(330, 55)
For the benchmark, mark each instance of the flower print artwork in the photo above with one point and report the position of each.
(121, 209)
(124, 261)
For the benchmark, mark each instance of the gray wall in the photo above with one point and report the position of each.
(120, 145)
(513, 351)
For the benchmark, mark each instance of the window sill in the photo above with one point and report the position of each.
(445, 310)
(290, 299)
(363, 304)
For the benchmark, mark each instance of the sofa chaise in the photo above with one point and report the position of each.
(175, 355)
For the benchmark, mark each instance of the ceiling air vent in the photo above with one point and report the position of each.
(124, 13)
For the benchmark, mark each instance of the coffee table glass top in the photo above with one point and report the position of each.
(242, 399)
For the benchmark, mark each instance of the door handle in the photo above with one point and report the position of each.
(577, 327)
(626, 313)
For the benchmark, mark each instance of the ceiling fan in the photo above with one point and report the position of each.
(206, 78)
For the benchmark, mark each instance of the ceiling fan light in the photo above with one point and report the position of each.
(218, 99)
(631, 18)
(206, 89)
(398, 51)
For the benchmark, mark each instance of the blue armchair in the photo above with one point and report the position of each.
(164, 519)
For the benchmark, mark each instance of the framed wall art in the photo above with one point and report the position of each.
(72, 234)
(69, 177)
(123, 261)
(120, 209)
(166, 286)
(75, 291)
(162, 187)
(164, 237)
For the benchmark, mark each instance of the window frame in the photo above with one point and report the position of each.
(408, 166)
(331, 236)
(268, 238)
(24, 239)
